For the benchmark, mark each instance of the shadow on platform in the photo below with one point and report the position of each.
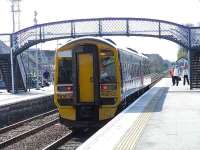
(156, 103)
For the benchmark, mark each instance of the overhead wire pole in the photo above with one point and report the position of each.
(18, 5)
(11, 50)
(14, 10)
(37, 53)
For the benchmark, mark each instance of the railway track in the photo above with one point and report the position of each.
(71, 140)
(41, 138)
(20, 123)
(60, 141)
(20, 130)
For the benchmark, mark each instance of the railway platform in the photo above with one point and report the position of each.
(16, 107)
(166, 117)
(9, 98)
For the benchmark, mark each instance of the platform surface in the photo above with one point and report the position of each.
(177, 125)
(9, 98)
(165, 118)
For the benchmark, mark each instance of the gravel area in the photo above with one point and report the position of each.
(77, 140)
(41, 139)
(27, 126)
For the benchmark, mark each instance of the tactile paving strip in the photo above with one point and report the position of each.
(129, 140)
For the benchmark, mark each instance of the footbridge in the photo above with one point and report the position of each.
(188, 37)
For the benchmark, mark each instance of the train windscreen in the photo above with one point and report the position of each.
(65, 68)
(107, 67)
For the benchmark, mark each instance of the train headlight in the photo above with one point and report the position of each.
(108, 90)
(104, 87)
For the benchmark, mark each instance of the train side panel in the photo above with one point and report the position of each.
(131, 73)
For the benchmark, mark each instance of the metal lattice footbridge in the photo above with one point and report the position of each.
(188, 37)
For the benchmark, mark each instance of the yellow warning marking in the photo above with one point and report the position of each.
(129, 140)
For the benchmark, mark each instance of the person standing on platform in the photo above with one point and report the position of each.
(185, 75)
(176, 75)
(171, 73)
(46, 76)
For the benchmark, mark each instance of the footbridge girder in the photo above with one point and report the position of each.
(187, 37)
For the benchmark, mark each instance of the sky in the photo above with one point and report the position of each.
(179, 11)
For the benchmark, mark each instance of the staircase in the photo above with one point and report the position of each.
(195, 69)
(6, 71)
(19, 73)
(19, 70)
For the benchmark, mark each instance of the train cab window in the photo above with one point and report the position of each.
(65, 68)
(107, 67)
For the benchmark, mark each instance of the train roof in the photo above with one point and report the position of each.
(130, 50)
(106, 41)
(143, 55)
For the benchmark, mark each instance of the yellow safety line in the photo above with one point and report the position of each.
(132, 134)
(129, 140)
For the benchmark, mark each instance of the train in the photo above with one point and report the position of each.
(93, 79)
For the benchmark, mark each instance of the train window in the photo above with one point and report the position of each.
(65, 71)
(65, 53)
(107, 67)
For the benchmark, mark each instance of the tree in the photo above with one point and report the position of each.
(182, 52)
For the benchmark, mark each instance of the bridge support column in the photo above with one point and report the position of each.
(189, 62)
(12, 71)
(194, 60)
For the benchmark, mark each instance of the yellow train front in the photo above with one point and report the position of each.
(88, 82)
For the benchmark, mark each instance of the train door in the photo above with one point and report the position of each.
(85, 76)
(86, 81)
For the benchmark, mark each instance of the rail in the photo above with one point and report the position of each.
(60, 141)
(6, 141)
